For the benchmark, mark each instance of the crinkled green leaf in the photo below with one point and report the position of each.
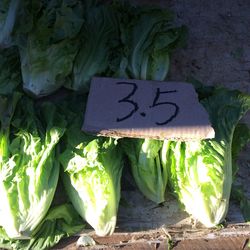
(240, 138)
(8, 15)
(29, 171)
(92, 173)
(98, 36)
(10, 74)
(48, 48)
(201, 171)
(61, 221)
(148, 160)
(149, 37)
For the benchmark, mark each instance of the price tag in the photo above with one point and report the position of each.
(145, 109)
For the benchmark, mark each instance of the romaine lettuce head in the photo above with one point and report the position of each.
(8, 14)
(98, 36)
(201, 171)
(10, 74)
(28, 169)
(149, 36)
(148, 160)
(48, 47)
(92, 173)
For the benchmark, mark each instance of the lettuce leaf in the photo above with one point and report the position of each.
(8, 14)
(48, 46)
(92, 173)
(99, 35)
(28, 169)
(61, 221)
(148, 160)
(201, 171)
(149, 37)
(10, 74)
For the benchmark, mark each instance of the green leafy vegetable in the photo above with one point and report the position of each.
(148, 159)
(8, 14)
(28, 169)
(149, 36)
(10, 74)
(98, 36)
(48, 47)
(240, 139)
(61, 221)
(201, 171)
(92, 172)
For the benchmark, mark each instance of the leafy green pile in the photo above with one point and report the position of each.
(66, 43)
(46, 45)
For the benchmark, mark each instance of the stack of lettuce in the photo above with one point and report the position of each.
(45, 45)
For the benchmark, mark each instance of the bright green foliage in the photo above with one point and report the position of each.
(148, 160)
(47, 46)
(99, 35)
(10, 73)
(8, 15)
(201, 171)
(28, 169)
(92, 172)
(61, 221)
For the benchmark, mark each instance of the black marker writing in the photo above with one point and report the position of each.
(157, 103)
(126, 99)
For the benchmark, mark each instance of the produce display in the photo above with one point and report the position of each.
(61, 44)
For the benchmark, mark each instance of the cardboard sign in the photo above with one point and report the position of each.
(145, 109)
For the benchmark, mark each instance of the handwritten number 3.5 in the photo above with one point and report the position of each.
(156, 103)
